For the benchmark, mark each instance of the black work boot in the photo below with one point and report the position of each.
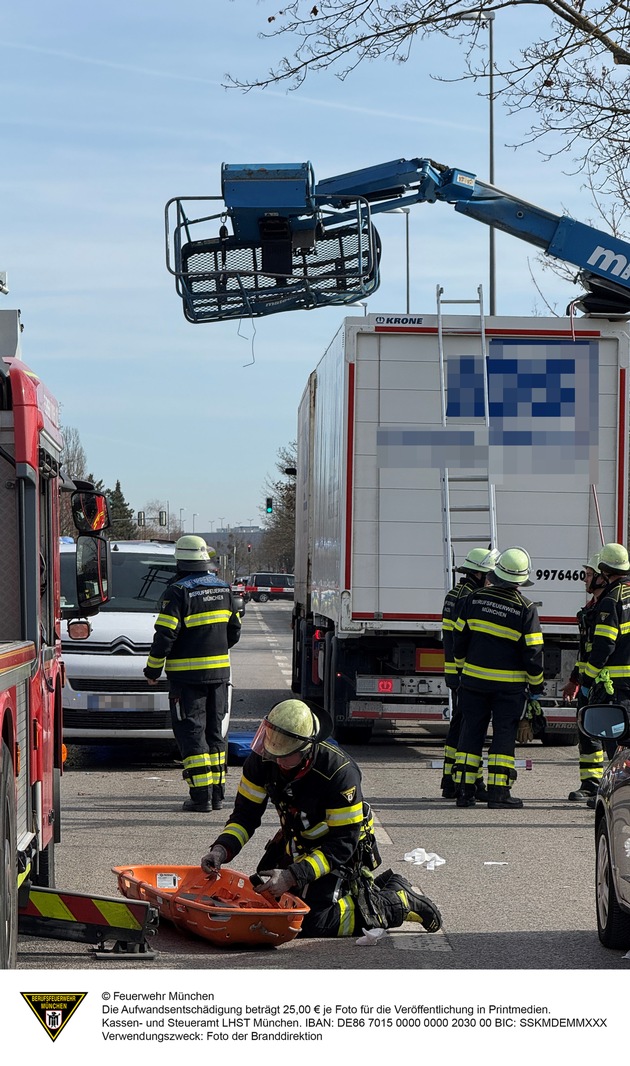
(481, 792)
(585, 791)
(217, 797)
(199, 800)
(499, 799)
(466, 796)
(417, 907)
(448, 786)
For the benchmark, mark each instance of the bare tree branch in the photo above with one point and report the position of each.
(574, 80)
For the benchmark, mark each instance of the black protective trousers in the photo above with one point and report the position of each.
(451, 742)
(336, 912)
(197, 715)
(503, 705)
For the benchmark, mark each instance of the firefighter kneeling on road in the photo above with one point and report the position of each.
(195, 629)
(324, 851)
(498, 646)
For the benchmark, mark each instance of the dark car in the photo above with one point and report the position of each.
(238, 588)
(238, 599)
(612, 824)
(266, 586)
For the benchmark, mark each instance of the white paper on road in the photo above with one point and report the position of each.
(420, 857)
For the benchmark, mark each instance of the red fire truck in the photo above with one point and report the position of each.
(31, 667)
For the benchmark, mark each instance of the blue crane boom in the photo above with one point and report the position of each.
(295, 243)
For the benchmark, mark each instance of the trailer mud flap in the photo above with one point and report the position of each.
(58, 915)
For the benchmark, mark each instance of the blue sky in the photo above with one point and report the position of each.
(108, 111)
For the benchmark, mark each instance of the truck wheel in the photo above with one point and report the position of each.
(263, 597)
(613, 924)
(8, 865)
(560, 740)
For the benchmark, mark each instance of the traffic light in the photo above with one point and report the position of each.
(162, 518)
(141, 518)
(269, 507)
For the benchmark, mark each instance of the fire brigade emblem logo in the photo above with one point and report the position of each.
(53, 1009)
(350, 793)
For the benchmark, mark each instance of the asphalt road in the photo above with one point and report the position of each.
(516, 887)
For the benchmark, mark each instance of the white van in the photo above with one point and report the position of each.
(106, 696)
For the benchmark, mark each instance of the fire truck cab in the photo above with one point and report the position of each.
(31, 667)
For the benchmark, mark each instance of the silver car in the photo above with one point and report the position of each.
(106, 697)
(612, 824)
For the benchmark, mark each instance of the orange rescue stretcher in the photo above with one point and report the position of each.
(225, 910)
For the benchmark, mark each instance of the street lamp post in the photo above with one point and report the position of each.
(211, 521)
(403, 211)
(488, 17)
(195, 515)
(485, 19)
(181, 511)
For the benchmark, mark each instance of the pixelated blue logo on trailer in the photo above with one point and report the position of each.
(542, 408)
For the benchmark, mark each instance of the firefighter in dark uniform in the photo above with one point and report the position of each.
(498, 647)
(606, 674)
(324, 851)
(591, 752)
(195, 629)
(475, 567)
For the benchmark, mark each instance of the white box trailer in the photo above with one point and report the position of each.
(420, 436)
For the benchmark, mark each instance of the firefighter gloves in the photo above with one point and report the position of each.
(279, 881)
(212, 862)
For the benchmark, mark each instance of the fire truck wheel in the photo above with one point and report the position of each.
(8, 865)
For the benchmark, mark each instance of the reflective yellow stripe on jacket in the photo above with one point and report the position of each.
(614, 671)
(207, 618)
(345, 815)
(487, 674)
(476, 625)
(205, 662)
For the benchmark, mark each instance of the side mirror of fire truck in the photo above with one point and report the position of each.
(93, 573)
(89, 512)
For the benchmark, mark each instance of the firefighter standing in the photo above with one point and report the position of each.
(498, 646)
(606, 673)
(475, 568)
(194, 630)
(324, 851)
(590, 748)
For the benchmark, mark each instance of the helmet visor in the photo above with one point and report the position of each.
(279, 745)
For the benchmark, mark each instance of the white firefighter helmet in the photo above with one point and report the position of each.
(614, 558)
(513, 567)
(192, 553)
(287, 734)
(480, 560)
